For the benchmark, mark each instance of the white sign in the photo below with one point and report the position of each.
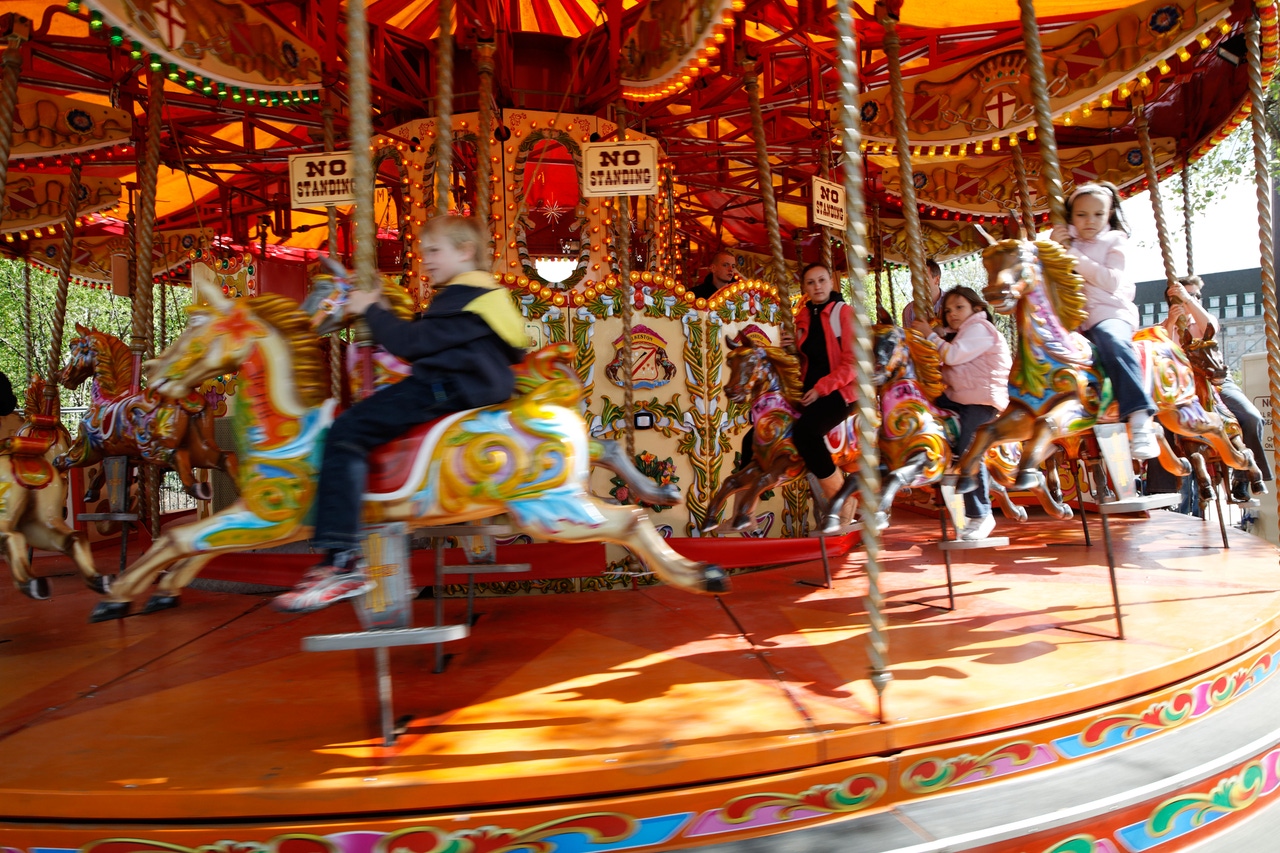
(620, 168)
(828, 204)
(319, 179)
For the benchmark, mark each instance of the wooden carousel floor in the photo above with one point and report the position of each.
(211, 711)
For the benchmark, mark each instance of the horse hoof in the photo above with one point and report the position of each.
(1027, 480)
(1067, 514)
(108, 610)
(36, 588)
(670, 496)
(966, 484)
(100, 584)
(201, 491)
(1259, 487)
(715, 580)
(882, 521)
(159, 602)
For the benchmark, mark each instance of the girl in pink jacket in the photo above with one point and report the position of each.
(975, 369)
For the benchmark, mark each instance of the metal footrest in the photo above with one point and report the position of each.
(384, 638)
(484, 568)
(469, 530)
(107, 516)
(1141, 503)
(973, 544)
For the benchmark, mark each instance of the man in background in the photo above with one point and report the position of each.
(723, 271)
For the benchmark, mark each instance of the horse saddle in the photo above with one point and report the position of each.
(28, 447)
(400, 463)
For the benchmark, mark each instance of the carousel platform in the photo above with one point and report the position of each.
(649, 719)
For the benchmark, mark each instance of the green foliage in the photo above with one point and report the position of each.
(94, 308)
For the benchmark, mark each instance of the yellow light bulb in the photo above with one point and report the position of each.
(1202, 40)
(1163, 66)
(1106, 101)
(977, 148)
(1086, 111)
(1184, 54)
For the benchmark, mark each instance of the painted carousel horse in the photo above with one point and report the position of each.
(175, 434)
(1055, 392)
(916, 436)
(528, 457)
(769, 377)
(33, 496)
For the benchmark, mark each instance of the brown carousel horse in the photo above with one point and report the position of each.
(1055, 392)
(33, 496)
(769, 377)
(916, 436)
(177, 434)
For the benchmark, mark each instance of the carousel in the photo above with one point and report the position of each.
(594, 625)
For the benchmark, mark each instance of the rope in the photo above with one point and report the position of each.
(752, 83)
(628, 302)
(26, 314)
(1050, 172)
(1024, 193)
(335, 340)
(910, 213)
(1262, 186)
(64, 286)
(361, 133)
(444, 110)
(856, 252)
(160, 330)
(484, 166)
(1153, 187)
(1186, 214)
(877, 257)
(148, 176)
(12, 64)
(828, 251)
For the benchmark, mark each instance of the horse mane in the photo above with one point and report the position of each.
(1067, 292)
(284, 315)
(402, 302)
(928, 363)
(34, 402)
(113, 363)
(788, 367)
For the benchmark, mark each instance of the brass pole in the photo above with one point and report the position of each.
(1024, 193)
(444, 109)
(1153, 187)
(1050, 172)
(623, 219)
(484, 148)
(361, 132)
(10, 66)
(64, 287)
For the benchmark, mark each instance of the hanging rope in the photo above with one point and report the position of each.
(148, 176)
(910, 213)
(876, 257)
(1262, 186)
(484, 150)
(444, 109)
(1153, 188)
(1050, 172)
(161, 343)
(26, 314)
(1024, 193)
(1186, 214)
(361, 134)
(64, 286)
(623, 218)
(855, 252)
(335, 339)
(10, 66)
(781, 278)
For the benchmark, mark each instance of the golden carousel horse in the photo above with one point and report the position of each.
(528, 457)
(175, 434)
(33, 497)
(1055, 392)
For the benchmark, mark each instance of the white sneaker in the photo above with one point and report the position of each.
(978, 528)
(1142, 442)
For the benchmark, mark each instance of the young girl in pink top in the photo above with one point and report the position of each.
(975, 368)
(1097, 238)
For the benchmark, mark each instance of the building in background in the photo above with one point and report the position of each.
(1234, 297)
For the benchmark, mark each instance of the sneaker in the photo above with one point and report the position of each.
(1142, 442)
(978, 528)
(324, 585)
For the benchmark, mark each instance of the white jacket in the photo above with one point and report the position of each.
(1108, 289)
(975, 366)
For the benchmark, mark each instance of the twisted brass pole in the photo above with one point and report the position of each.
(1186, 214)
(26, 313)
(484, 164)
(64, 287)
(1050, 172)
(1153, 188)
(623, 218)
(148, 176)
(770, 202)
(856, 251)
(444, 109)
(1262, 187)
(828, 253)
(1024, 193)
(361, 134)
(335, 339)
(910, 212)
(10, 66)
(877, 260)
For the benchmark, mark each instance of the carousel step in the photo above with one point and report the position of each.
(1141, 503)
(107, 516)
(384, 639)
(973, 544)
(484, 568)
(467, 530)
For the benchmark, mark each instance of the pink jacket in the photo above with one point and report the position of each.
(1108, 289)
(839, 318)
(975, 366)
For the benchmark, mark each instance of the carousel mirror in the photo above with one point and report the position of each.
(550, 221)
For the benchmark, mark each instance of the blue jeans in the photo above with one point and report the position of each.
(977, 503)
(388, 414)
(1250, 423)
(1114, 341)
